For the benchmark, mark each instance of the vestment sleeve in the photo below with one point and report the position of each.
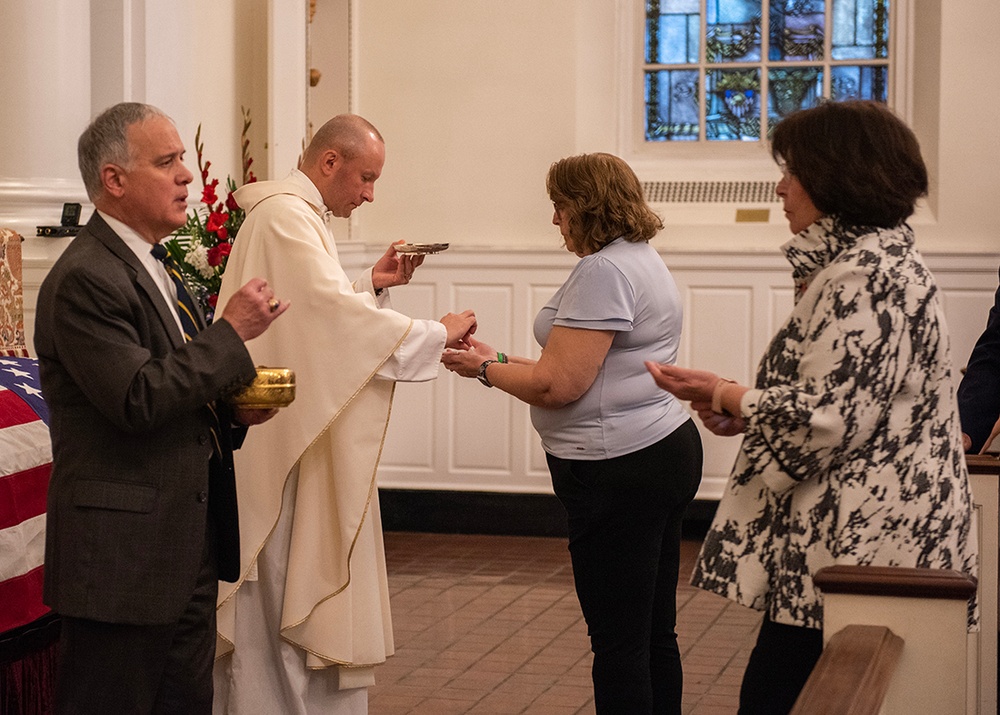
(418, 356)
(363, 284)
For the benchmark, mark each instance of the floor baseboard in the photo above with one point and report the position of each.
(455, 512)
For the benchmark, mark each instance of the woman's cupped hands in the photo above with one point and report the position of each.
(466, 361)
(696, 387)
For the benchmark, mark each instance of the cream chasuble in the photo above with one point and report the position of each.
(335, 340)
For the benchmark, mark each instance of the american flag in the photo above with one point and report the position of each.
(25, 465)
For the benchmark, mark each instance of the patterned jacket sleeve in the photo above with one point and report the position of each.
(855, 345)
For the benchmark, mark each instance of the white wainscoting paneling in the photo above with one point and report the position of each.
(482, 420)
(455, 434)
(733, 304)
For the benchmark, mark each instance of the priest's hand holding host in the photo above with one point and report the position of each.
(396, 269)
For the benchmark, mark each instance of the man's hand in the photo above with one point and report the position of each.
(394, 269)
(460, 328)
(250, 417)
(252, 308)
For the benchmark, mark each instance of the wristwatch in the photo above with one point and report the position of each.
(482, 372)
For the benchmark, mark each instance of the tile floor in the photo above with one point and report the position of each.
(491, 625)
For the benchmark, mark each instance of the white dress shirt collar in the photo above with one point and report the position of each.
(143, 251)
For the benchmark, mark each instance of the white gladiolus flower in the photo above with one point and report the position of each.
(198, 257)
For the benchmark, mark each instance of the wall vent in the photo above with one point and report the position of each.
(721, 192)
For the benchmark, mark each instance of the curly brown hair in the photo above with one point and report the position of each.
(857, 161)
(602, 200)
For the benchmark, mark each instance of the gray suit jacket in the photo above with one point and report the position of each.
(132, 464)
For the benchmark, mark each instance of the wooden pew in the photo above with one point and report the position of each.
(896, 643)
(984, 477)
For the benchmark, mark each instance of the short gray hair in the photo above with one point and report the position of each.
(105, 141)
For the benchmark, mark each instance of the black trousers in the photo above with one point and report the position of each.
(779, 667)
(624, 540)
(119, 668)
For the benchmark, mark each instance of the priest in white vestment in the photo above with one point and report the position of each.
(303, 628)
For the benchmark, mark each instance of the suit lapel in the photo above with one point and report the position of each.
(102, 232)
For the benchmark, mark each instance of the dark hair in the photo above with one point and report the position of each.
(603, 200)
(857, 161)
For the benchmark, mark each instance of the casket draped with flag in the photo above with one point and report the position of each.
(27, 629)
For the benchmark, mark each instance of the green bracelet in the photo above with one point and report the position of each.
(501, 358)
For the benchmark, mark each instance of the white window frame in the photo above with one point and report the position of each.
(725, 160)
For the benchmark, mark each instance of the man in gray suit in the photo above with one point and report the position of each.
(142, 518)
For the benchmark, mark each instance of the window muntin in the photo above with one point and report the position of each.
(721, 89)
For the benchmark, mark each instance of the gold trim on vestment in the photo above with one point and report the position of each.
(284, 484)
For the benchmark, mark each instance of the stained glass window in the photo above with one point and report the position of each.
(732, 30)
(796, 31)
(730, 70)
(859, 82)
(674, 95)
(733, 110)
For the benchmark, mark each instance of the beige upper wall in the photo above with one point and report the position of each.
(475, 101)
(230, 42)
(969, 140)
(477, 98)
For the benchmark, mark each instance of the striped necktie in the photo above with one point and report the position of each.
(186, 311)
(185, 303)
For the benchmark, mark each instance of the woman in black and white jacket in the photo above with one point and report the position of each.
(852, 450)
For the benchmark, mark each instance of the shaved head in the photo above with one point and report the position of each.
(347, 134)
(344, 160)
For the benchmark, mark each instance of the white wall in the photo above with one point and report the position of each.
(475, 100)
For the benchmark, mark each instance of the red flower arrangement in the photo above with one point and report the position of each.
(201, 247)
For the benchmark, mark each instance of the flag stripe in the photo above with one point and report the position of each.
(13, 409)
(22, 547)
(23, 495)
(23, 447)
(22, 600)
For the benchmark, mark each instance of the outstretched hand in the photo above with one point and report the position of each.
(394, 269)
(252, 309)
(684, 383)
(697, 387)
(466, 362)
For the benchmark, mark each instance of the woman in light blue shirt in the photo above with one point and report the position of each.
(625, 458)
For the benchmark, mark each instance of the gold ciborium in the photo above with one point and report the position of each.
(273, 387)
